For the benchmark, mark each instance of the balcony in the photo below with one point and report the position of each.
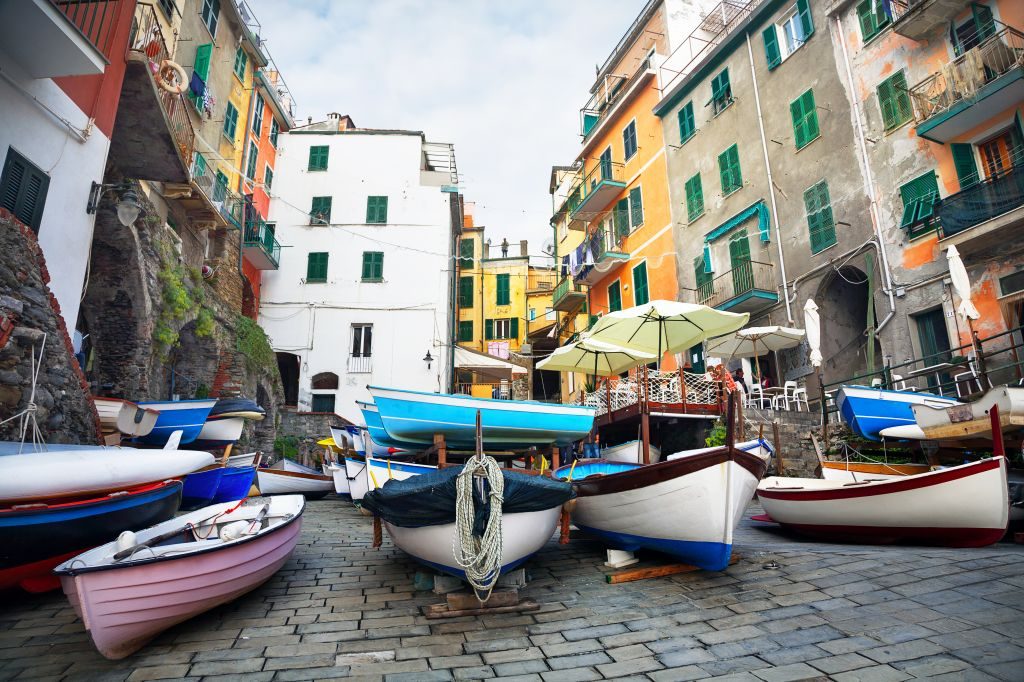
(153, 137)
(595, 191)
(655, 392)
(748, 288)
(920, 19)
(360, 364)
(260, 247)
(569, 296)
(974, 87)
(598, 254)
(985, 216)
(52, 38)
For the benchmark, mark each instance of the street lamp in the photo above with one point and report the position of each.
(128, 206)
(428, 358)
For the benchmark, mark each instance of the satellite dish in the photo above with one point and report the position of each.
(548, 247)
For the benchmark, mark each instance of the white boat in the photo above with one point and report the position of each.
(630, 451)
(972, 420)
(125, 416)
(271, 482)
(962, 506)
(869, 410)
(221, 431)
(834, 470)
(242, 460)
(128, 591)
(73, 473)
(758, 447)
(370, 473)
(289, 465)
(340, 477)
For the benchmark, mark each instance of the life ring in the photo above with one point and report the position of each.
(169, 70)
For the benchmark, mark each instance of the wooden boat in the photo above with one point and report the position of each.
(971, 420)
(128, 591)
(286, 464)
(187, 416)
(36, 537)
(234, 484)
(124, 416)
(370, 473)
(339, 477)
(630, 451)
(201, 487)
(313, 486)
(380, 437)
(415, 417)
(242, 460)
(832, 470)
(71, 473)
(217, 433)
(962, 506)
(758, 447)
(869, 410)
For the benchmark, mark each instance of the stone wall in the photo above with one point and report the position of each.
(300, 431)
(28, 312)
(794, 447)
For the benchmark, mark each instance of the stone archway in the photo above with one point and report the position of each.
(843, 299)
(192, 365)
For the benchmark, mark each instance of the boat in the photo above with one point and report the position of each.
(242, 460)
(128, 591)
(285, 464)
(416, 417)
(355, 438)
(36, 537)
(869, 410)
(834, 470)
(76, 472)
(961, 506)
(971, 420)
(244, 408)
(201, 487)
(216, 433)
(630, 451)
(234, 484)
(124, 416)
(687, 507)
(758, 447)
(419, 515)
(339, 476)
(187, 416)
(378, 435)
(369, 473)
(313, 486)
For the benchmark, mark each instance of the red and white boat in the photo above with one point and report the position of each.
(128, 591)
(962, 506)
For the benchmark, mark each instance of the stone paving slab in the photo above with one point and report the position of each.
(341, 609)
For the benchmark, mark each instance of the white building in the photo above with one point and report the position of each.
(367, 221)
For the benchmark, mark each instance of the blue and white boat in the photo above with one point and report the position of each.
(416, 416)
(378, 434)
(868, 410)
(187, 416)
(370, 473)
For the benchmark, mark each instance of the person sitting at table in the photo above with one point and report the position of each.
(766, 381)
(737, 376)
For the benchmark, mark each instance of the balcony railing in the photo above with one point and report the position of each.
(963, 79)
(568, 295)
(983, 201)
(663, 391)
(596, 189)
(747, 287)
(917, 19)
(360, 364)
(232, 205)
(594, 254)
(96, 19)
(258, 235)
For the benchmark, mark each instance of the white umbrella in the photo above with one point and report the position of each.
(961, 284)
(812, 326)
(594, 357)
(665, 326)
(753, 342)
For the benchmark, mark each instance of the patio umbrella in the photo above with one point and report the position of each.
(961, 285)
(593, 357)
(753, 341)
(812, 326)
(665, 326)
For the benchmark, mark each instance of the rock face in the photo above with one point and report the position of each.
(28, 313)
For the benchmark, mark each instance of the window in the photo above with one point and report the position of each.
(919, 197)
(377, 210)
(794, 32)
(323, 402)
(257, 115)
(894, 100)
(873, 16)
(531, 314)
(741, 272)
(320, 212)
(636, 208)
(704, 279)
(465, 292)
(971, 33)
(965, 164)
(503, 328)
(1011, 284)
(503, 295)
(466, 330)
(819, 217)
(721, 92)
(614, 297)
(199, 167)
(318, 157)
(268, 178)
(605, 162)
(805, 119)
(1002, 152)
(362, 340)
(250, 166)
(220, 191)
(23, 189)
(629, 140)
(687, 125)
(772, 54)
(241, 59)
(694, 198)
(201, 68)
(729, 170)
(466, 252)
(316, 267)
(373, 266)
(167, 7)
(210, 13)
(641, 293)
(231, 122)
(620, 218)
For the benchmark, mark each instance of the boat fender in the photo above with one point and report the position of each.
(172, 78)
(235, 530)
(125, 540)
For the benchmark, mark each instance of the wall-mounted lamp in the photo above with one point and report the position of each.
(128, 206)
(428, 358)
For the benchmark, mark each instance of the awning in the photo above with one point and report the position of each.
(485, 365)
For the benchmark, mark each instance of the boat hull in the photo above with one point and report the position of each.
(631, 451)
(34, 540)
(200, 488)
(125, 416)
(313, 486)
(688, 507)
(234, 483)
(858, 471)
(370, 473)
(220, 432)
(972, 420)
(379, 436)
(962, 506)
(416, 417)
(757, 447)
(243, 460)
(187, 416)
(339, 476)
(869, 410)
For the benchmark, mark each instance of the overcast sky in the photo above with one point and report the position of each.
(503, 81)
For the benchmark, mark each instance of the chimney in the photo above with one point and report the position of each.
(309, 120)
(523, 250)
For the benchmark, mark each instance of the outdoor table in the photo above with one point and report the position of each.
(773, 391)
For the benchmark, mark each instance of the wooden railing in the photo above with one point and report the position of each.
(96, 19)
(668, 389)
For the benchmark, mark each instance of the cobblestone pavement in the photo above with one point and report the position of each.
(343, 609)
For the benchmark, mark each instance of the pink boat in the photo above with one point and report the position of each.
(128, 591)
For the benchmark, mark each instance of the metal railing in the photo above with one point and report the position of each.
(564, 287)
(496, 390)
(960, 79)
(602, 172)
(258, 234)
(744, 278)
(360, 364)
(665, 388)
(994, 196)
(95, 19)
(594, 249)
(147, 40)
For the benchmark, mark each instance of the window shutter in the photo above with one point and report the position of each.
(621, 218)
(23, 190)
(488, 330)
(771, 47)
(694, 198)
(371, 209)
(202, 61)
(894, 101)
(796, 112)
(636, 207)
(514, 325)
(983, 21)
(709, 267)
(614, 297)
(367, 267)
(687, 126)
(803, 9)
(810, 116)
(640, 292)
(963, 162)
(502, 293)
(316, 267)
(904, 109)
(466, 292)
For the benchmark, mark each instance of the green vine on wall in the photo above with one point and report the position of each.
(182, 293)
(252, 342)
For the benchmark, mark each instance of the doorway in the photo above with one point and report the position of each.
(934, 343)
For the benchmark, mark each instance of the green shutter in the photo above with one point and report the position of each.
(250, 170)
(694, 198)
(729, 170)
(318, 156)
(377, 210)
(803, 9)
(199, 169)
(320, 212)
(739, 263)
(771, 47)
(872, 18)
(316, 267)
(820, 223)
(687, 126)
(513, 324)
(636, 208)
(629, 140)
(373, 266)
(23, 189)
(721, 92)
(503, 295)
(466, 251)
(202, 61)
(919, 197)
(268, 178)
(640, 290)
(894, 101)
(805, 119)
(466, 292)
(614, 297)
(240, 61)
(703, 279)
(963, 162)
(488, 330)
(466, 330)
(984, 24)
(230, 121)
(621, 218)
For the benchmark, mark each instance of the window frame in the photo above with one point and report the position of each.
(722, 171)
(241, 61)
(863, 10)
(29, 170)
(504, 323)
(617, 286)
(310, 279)
(896, 101)
(275, 130)
(502, 284)
(634, 226)
(230, 116)
(682, 116)
(806, 118)
(365, 340)
(820, 247)
(313, 213)
(471, 243)
(374, 205)
(692, 215)
(268, 177)
(257, 115)
(636, 141)
(463, 336)
(251, 161)
(721, 96)
(373, 267)
(466, 301)
(214, 7)
(320, 153)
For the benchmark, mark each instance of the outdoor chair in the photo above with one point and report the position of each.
(781, 401)
(757, 397)
(800, 393)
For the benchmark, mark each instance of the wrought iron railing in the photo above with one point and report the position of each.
(96, 19)
(992, 197)
(360, 364)
(566, 286)
(257, 233)
(602, 172)
(745, 277)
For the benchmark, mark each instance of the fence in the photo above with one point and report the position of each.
(683, 390)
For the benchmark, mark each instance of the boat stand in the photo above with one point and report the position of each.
(460, 602)
(643, 572)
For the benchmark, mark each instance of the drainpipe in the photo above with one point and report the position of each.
(868, 177)
(771, 184)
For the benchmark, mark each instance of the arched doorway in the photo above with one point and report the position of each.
(288, 365)
(846, 346)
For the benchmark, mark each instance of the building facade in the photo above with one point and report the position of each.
(364, 295)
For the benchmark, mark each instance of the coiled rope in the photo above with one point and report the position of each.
(480, 556)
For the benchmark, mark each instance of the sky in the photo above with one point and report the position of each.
(503, 81)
